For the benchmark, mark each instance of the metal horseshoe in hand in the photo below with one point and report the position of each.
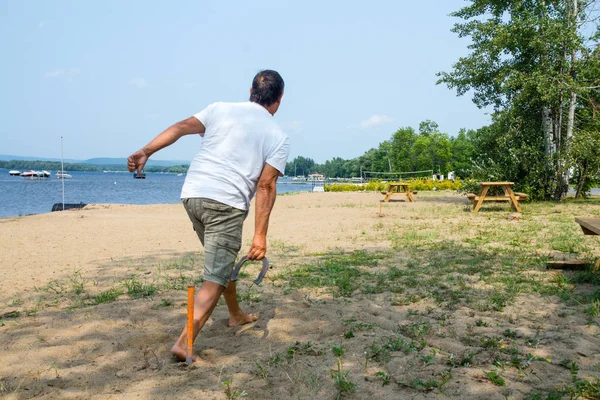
(261, 275)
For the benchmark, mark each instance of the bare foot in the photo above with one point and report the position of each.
(241, 319)
(180, 354)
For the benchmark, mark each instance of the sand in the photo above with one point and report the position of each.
(58, 349)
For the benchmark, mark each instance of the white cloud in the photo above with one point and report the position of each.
(293, 126)
(374, 120)
(54, 74)
(138, 82)
(68, 74)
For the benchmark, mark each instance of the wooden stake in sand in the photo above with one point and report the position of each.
(190, 325)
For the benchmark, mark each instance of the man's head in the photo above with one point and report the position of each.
(267, 90)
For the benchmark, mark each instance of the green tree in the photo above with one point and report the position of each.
(524, 63)
(463, 152)
(401, 149)
(300, 166)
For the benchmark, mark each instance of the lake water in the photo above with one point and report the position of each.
(20, 196)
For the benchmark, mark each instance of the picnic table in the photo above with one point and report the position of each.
(398, 188)
(509, 195)
(589, 226)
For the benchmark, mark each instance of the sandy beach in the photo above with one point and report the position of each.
(64, 335)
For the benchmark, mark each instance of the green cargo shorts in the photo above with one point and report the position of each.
(219, 228)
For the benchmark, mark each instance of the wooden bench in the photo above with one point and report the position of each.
(519, 196)
(413, 192)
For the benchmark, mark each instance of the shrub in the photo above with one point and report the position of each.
(380, 186)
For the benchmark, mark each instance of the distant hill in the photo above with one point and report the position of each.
(96, 161)
(123, 161)
(5, 157)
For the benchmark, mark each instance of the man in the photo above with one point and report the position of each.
(242, 154)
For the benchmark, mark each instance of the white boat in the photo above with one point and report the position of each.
(62, 175)
(45, 174)
(14, 172)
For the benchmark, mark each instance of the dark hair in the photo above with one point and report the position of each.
(267, 86)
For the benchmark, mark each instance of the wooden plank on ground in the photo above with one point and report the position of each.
(574, 265)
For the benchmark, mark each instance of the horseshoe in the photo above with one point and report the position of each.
(261, 274)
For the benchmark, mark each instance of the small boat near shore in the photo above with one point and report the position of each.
(14, 172)
(63, 175)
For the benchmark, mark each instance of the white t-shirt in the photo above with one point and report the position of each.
(239, 139)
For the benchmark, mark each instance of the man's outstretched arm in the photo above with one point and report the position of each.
(189, 126)
(266, 191)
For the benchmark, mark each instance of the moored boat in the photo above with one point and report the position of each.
(14, 172)
(31, 174)
(63, 175)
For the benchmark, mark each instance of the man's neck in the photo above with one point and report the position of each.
(272, 109)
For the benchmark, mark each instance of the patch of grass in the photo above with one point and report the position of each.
(166, 303)
(77, 282)
(464, 360)
(276, 360)
(428, 359)
(108, 296)
(568, 242)
(307, 348)
(511, 334)
(429, 384)
(249, 296)
(338, 351)
(495, 378)
(385, 378)
(381, 352)
(336, 270)
(137, 289)
(342, 381)
(232, 394)
(261, 371)
(356, 326)
(10, 314)
(416, 329)
(594, 309)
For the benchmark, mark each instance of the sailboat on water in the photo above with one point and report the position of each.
(62, 175)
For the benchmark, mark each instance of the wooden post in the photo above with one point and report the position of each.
(190, 325)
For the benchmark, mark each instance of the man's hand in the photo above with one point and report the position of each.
(258, 249)
(137, 160)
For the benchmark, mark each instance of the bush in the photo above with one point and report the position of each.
(382, 186)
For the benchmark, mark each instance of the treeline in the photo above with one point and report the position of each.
(22, 165)
(407, 150)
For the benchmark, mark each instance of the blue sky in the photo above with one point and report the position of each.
(110, 75)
